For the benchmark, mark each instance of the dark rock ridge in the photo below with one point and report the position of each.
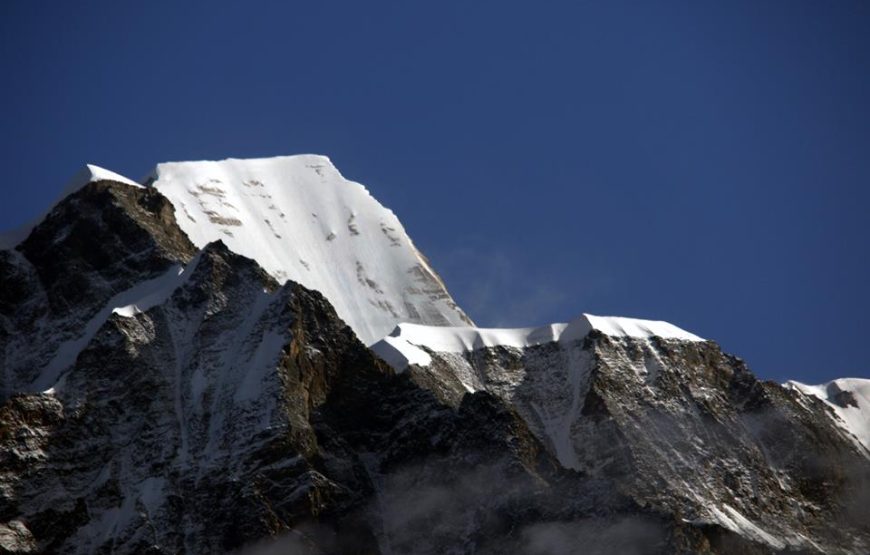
(160, 399)
(100, 241)
(684, 428)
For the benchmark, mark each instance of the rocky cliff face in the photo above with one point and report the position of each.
(683, 428)
(97, 247)
(160, 397)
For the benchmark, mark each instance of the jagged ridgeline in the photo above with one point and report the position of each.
(251, 356)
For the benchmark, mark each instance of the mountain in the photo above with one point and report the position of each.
(668, 416)
(301, 220)
(251, 356)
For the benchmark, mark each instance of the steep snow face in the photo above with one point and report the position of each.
(301, 220)
(408, 343)
(850, 399)
(88, 174)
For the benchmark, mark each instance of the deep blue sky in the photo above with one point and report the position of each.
(704, 163)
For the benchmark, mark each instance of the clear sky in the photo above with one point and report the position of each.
(698, 162)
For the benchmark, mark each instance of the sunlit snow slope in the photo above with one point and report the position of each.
(301, 220)
(407, 344)
(850, 400)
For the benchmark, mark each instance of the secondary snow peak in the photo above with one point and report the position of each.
(89, 173)
(408, 343)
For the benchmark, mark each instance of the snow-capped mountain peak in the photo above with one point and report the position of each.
(162, 393)
(300, 219)
(89, 173)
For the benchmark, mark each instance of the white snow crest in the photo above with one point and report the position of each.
(88, 174)
(633, 327)
(405, 345)
(91, 173)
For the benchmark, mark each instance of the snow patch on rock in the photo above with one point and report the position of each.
(733, 520)
(137, 299)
